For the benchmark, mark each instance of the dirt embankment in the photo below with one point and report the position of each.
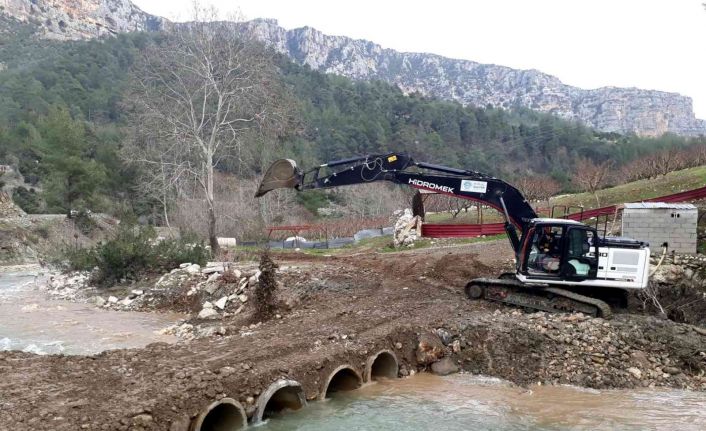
(340, 310)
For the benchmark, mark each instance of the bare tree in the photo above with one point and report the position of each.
(590, 177)
(198, 96)
(537, 187)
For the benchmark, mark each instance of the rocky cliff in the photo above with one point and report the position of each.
(81, 19)
(610, 109)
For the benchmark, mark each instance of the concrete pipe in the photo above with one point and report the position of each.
(279, 396)
(383, 364)
(223, 415)
(342, 379)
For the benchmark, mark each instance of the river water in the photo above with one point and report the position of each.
(464, 402)
(32, 323)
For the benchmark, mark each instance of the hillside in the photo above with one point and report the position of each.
(607, 109)
(673, 182)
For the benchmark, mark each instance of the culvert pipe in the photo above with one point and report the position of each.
(383, 364)
(343, 378)
(279, 396)
(223, 415)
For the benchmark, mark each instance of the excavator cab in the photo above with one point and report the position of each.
(556, 249)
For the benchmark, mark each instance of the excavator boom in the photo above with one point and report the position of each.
(400, 168)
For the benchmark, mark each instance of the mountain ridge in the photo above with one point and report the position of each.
(607, 109)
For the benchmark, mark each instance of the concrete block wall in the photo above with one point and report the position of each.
(677, 227)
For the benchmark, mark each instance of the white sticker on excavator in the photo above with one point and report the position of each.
(474, 186)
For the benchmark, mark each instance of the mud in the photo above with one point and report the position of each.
(341, 310)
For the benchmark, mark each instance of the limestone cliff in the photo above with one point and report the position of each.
(81, 19)
(611, 109)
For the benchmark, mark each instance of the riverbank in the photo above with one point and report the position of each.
(341, 311)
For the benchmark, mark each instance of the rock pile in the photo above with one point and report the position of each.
(71, 286)
(581, 350)
(408, 229)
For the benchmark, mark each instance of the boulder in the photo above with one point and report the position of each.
(212, 269)
(444, 367)
(99, 301)
(211, 288)
(430, 349)
(208, 313)
(635, 372)
(193, 269)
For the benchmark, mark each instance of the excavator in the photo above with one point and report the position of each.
(561, 265)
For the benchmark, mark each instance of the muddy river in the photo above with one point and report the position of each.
(32, 323)
(465, 402)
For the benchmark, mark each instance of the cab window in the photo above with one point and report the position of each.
(580, 253)
(545, 250)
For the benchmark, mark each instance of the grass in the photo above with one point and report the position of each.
(674, 182)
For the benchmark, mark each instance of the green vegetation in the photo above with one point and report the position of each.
(673, 182)
(131, 253)
(62, 125)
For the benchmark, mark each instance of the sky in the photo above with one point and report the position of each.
(650, 44)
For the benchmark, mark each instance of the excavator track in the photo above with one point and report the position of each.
(540, 298)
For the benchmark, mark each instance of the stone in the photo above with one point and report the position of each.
(221, 303)
(456, 346)
(207, 304)
(635, 372)
(444, 367)
(208, 313)
(126, 302)
(184, 265)
(137, 292)
(112, 299)
(212, 269)
(430, 349)
(398, 345)
(193, 269)
(241, 285)
(226, 371)
(211, 288)
(243, 298)
(183, 423)
(444, 335)
(214, 277)
(671, 370)
(99, 301)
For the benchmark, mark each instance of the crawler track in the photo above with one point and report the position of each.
(549, 299)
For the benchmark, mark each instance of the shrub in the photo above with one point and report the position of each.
(132, 253)
(28, 200)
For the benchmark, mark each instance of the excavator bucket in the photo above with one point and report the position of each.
(282, 174)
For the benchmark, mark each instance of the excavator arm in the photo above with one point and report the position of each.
(400, 168)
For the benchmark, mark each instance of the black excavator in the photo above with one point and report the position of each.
(561, 265)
